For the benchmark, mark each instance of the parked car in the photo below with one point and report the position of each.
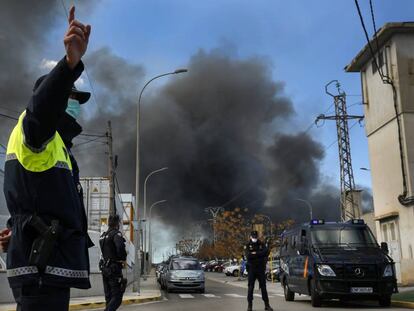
(183, 274)
(233, 270)
(210, 265)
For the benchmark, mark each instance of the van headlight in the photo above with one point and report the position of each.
(388, 271)
(325, 270)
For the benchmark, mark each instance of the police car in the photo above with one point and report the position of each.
(338, 260)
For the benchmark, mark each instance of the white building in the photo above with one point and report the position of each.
(395, 59)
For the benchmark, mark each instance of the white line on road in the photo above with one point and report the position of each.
(211, 296)
(235, 295)
(186, 296)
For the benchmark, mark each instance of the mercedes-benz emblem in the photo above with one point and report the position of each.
(359, 272)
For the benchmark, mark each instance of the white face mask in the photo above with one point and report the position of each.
(254, 240)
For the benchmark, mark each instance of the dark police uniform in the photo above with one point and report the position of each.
(42, 179)
(256, 254)
(113, 252)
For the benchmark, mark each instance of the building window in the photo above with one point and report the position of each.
(392, 230)
(384, 232)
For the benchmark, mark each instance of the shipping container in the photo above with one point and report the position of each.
(96, 200)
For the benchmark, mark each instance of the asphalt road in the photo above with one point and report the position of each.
(224, 296)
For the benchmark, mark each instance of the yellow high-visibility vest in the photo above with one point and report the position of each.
(52, 154)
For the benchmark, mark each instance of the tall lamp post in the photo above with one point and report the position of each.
(149, 228)
(308, 204)
(137, 255)
(145, 216)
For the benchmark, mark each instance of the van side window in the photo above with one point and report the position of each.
(293, 241)
(285, 243)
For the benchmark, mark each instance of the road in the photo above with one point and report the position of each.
(226, 297)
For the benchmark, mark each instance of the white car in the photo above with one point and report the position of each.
(233, 270)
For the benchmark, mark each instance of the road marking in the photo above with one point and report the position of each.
(235, 295)
(257, 295)
(186, 296)
(211, 296)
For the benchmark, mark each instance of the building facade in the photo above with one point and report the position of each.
(389, 119)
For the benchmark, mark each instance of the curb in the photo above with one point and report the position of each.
(101, 303)
(403, 304)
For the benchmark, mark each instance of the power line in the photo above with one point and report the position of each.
(92, 135)
(8, 109)
(368, 40)
(89, 141)
(8, 117)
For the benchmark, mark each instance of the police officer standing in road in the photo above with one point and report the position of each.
(113, 258)
(47, 237)
(256, 254)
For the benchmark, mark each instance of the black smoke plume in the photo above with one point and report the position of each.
(222, 129)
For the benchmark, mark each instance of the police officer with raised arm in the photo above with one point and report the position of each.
(113, 258)
(256, 254)
(47, 237)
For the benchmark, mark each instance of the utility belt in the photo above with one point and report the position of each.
(44, 244)
(110, 267)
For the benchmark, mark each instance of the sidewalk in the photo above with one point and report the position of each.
(149, 292)
(405, 298)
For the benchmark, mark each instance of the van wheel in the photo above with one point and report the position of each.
(289, 295)
(316, 300)
(385, 301)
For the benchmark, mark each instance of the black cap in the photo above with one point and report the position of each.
(81, 96)
(254, 234)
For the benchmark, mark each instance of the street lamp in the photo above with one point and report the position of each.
(145, 214)
(149, 228)
(365, 169)
(137, 265)
(308, 204)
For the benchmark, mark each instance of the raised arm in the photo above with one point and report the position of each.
(49, 101)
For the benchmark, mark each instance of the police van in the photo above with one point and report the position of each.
(336, 260)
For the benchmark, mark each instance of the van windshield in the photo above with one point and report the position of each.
(342, 236)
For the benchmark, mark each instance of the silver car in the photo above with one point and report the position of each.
(184, 273)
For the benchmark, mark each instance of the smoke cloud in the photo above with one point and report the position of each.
(222, 129)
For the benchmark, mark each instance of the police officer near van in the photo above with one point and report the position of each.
(47, 239)
(256, 254)
(114, 254)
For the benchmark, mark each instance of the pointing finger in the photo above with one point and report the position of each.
(71, 14)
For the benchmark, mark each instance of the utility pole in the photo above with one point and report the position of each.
(349, 207)
(111, 174)
(214, 211)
